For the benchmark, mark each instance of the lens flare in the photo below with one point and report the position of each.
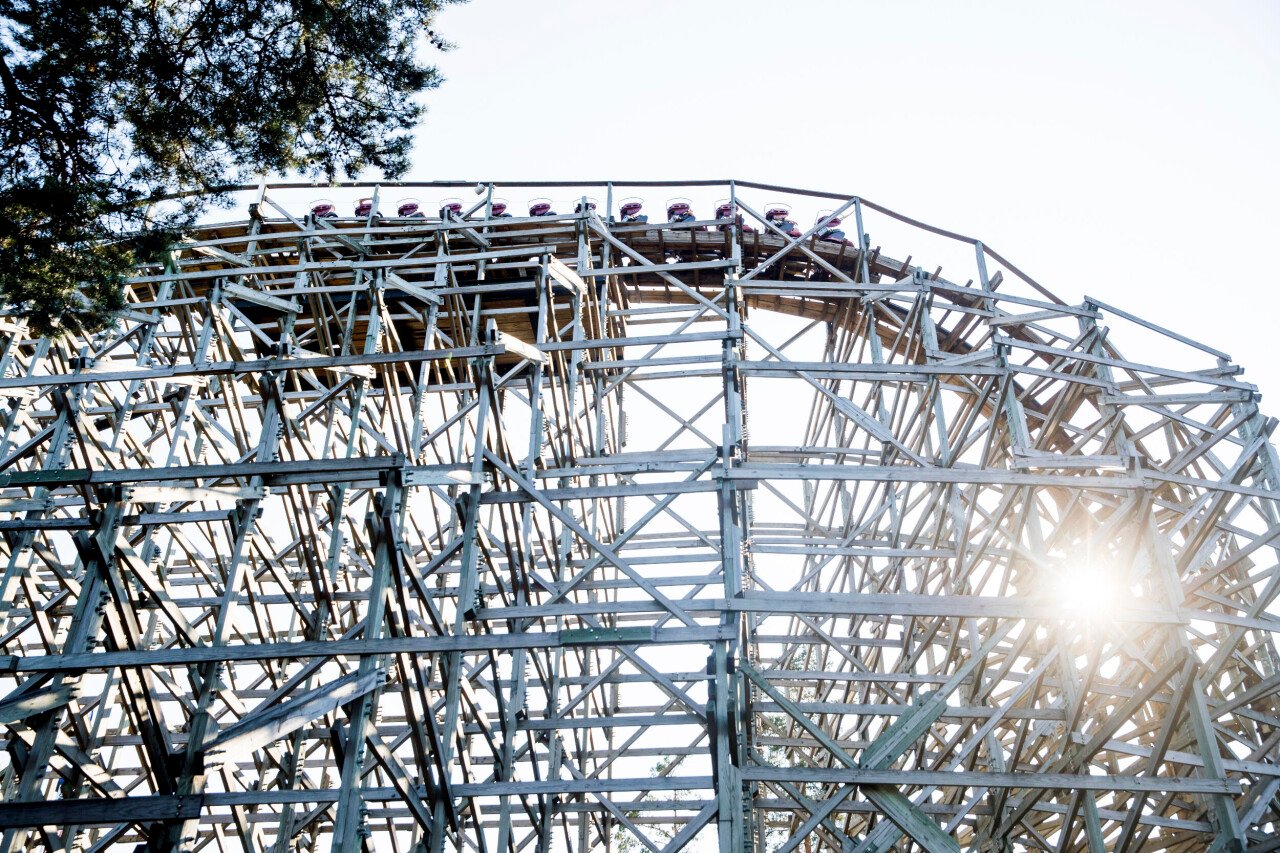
(1087, 591)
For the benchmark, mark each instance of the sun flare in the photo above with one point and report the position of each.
(1088, 591)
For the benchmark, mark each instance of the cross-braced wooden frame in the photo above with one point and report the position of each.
(564, 533)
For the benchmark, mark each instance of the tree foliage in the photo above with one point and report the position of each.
(108, 105)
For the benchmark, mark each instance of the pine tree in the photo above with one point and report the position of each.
(109, 105)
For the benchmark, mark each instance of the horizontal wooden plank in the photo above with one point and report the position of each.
(171, 657)
(990, 779)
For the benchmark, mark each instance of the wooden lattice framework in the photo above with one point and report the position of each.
(535, 534)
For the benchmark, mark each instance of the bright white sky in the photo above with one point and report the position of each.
(1123, 150)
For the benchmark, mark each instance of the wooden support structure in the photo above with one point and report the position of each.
(562, 533)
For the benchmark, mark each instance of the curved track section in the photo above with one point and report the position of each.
(547, 534)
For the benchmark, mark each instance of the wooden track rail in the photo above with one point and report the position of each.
(568, 534)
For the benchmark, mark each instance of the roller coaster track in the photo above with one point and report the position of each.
(564, 533)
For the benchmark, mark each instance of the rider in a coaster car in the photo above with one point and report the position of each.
(409, 210)
(630, 211)
(779, 217)
(679, 210)
(725, 210)
(831, 231)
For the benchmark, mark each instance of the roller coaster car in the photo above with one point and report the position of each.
(498, 210)
(577, 208)
(630, 212)
(542, 208)
(679, 212)
(324, 209)
(831, 232)
(778, 216)
(725, 211)
(451, 210)
(410, 209)
(364, 207)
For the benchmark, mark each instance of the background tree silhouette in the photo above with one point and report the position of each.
(107, 105)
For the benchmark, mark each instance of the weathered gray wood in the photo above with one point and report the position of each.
(641, 466)
(987, 779)
(14, 709)
(262, 727)
(332, 648)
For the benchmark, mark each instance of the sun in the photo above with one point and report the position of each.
(1087, 591)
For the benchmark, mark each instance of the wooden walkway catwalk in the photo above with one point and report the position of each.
(566, 534)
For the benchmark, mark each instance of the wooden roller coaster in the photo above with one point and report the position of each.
(569, 533)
